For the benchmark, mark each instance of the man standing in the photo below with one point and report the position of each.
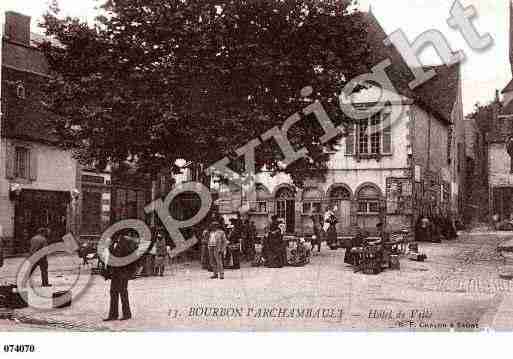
(38, 242)
(217, 243)
(161, 254)
(120, 275)
(275, 255)
(252, 236)
(317, 229)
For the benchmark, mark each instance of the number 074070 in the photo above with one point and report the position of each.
(19, 348)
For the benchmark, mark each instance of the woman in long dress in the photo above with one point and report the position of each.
(331, 232)
(275, 245)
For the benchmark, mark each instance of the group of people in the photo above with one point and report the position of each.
(435, 228)
(224, 246)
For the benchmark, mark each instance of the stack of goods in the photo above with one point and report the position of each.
(371, 259)
(413, 253)
(394, 262)
(298, 253)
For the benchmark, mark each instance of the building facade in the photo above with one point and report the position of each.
(414, 166)
(498, 123)
(38, 181)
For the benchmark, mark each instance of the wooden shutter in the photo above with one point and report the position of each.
(387, 134)
(350, 139)
(33, 162)
(9, 161)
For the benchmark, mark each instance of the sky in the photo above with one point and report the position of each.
(482, 72)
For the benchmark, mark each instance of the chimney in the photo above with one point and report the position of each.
(17, 28)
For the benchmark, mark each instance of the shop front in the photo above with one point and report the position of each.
(35, 209)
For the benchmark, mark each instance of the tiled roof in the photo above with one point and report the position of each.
(507, 110)
(437, 95)
(509, 87)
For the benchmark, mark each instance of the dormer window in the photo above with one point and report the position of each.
(20, 91)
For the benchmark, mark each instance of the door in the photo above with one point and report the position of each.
(341, 198)
(37, 209)
(285, 210)
(502, 202)
(91, 213)
(344, 215)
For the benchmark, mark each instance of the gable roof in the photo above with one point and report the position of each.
(438, 96)
(508, 88)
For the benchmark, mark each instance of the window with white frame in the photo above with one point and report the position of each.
(21, 162)
(20, 91)
(370, 136)
(261, 206)
(262, 193)
(312, 198)
(311, 207)
(368, 200)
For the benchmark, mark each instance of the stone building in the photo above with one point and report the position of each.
(497, 121)
(476, 189)
(414, 166)
(38, 181)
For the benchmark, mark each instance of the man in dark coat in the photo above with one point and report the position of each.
(317, 229)
(251, 239)
(38, 242)
(123, 246)
(275, 244)
(233, 250)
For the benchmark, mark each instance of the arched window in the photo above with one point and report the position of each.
(285, 193)
(285, 207)
(312, 198)
(20, 91)
(368, 199)
(340, 193)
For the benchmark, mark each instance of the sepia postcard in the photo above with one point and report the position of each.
(256, 165)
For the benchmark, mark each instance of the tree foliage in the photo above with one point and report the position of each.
(153, 81)
(484, 115)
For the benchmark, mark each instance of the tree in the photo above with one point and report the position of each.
(153, 81)
(484, 115)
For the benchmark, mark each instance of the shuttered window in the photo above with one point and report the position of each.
(350, 139)
(370, 136)
(21, 163)
(387, 134)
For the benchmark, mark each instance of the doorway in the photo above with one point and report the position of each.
(340, 197)
(285, 208)
(37, 209)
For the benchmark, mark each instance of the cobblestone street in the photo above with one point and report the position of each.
(458, 287)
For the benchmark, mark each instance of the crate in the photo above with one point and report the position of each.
(394, 262)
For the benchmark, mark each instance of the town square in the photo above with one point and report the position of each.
(256, 166)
